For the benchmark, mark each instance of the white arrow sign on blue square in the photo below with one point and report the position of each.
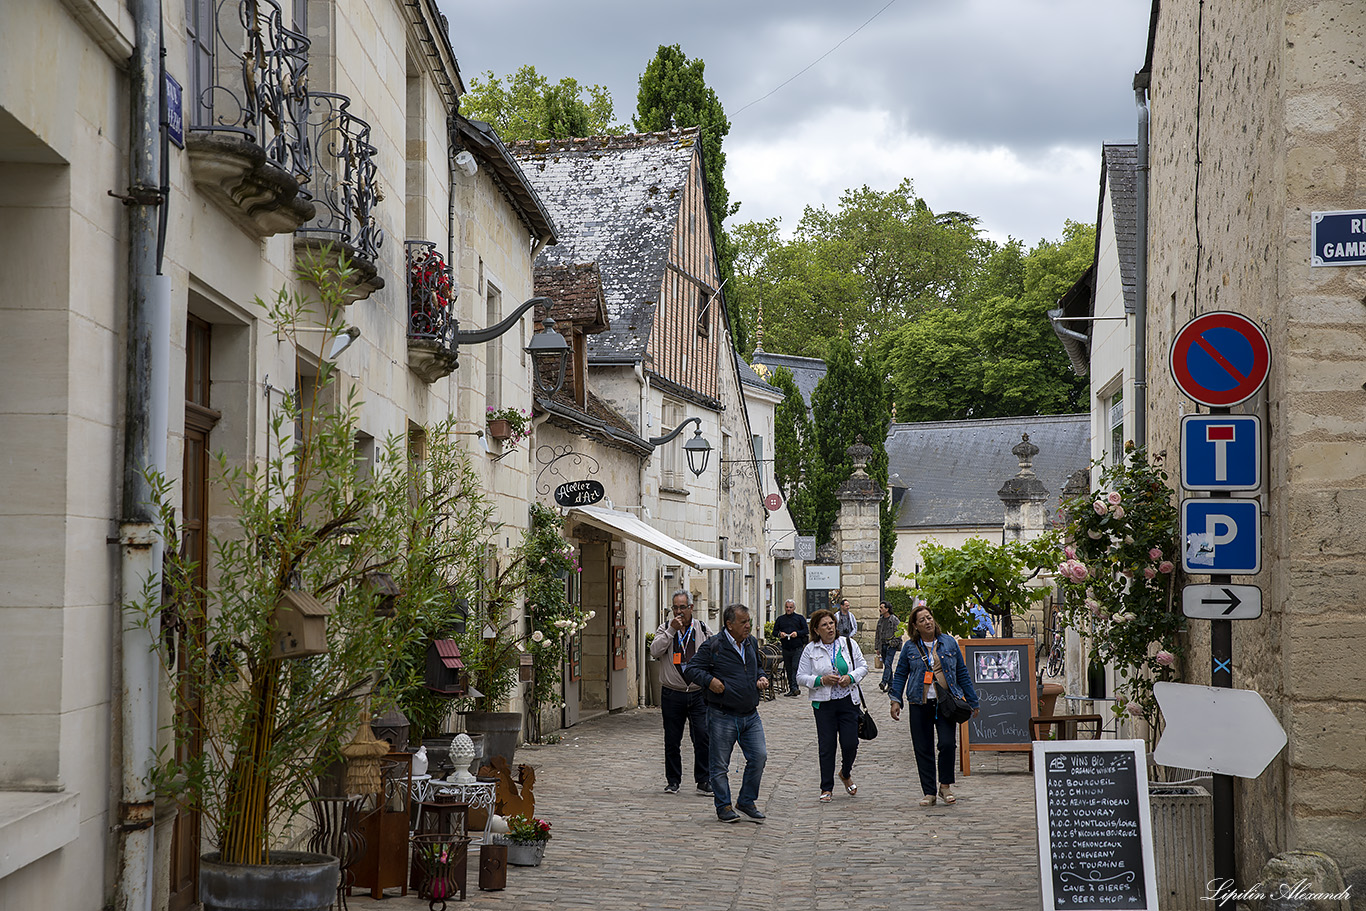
(1221, 452)
(1221, 536)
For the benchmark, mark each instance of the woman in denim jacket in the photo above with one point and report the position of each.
(930, 660)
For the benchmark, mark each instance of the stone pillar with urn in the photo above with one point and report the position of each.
(1025, 500)
(856, 537)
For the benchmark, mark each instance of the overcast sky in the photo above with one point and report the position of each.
(997, 108)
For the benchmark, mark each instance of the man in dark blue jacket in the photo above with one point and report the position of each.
(727, 668)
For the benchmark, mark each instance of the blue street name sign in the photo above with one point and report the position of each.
(1222, 537)
(1221, 452)
(1338, 238)
(175, 112)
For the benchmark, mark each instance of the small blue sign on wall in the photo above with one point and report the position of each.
(175, 112)
(1221, 536)
(1338, 238)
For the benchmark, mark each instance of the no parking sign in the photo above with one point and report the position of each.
(1220, 359)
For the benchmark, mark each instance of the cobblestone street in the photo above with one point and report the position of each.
(621, 843)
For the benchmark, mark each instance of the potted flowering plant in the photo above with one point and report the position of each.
(526, 840)
(508, 424)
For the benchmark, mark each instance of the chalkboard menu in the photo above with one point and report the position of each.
(1095, 834)
(1002, 672)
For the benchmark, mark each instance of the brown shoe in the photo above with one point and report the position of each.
(946, 794)
(927, 800)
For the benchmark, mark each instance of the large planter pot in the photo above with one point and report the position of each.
(502, 733)
(292, 881)
(528, 855)
(653, 683)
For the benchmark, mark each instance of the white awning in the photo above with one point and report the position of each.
(628, 526)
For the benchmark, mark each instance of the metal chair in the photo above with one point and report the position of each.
(771, 658)
(334, 833)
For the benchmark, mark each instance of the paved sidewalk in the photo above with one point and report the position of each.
(620, 843)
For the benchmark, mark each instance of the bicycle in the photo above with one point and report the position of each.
(1057, 653)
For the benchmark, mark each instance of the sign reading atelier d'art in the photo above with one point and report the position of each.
(1095, 832)
(579, 493)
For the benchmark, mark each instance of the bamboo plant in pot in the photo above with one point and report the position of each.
(274, 656)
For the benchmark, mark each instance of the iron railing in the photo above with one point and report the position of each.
(431, 295)
(250, 78)
(344, 185)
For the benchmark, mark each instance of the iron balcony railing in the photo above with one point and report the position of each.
(345, 186)
(431, 295)
(249, 77)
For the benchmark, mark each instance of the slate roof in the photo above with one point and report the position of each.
(1119, 169)
(806, 371)
(953, 469)
(615, 200)
(478, 137)
(749, 378)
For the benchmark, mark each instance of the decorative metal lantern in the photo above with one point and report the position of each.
(300, 622)
(445, 670)
(526, 668)
(383, 587)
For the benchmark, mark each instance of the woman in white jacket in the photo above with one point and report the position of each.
(831, 667)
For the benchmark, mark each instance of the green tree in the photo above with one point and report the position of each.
(996, 576)
(795, 466)
(673, 93)
(526, 105)
(849, 402)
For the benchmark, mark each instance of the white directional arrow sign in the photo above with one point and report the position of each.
(1209, 728)
(1221, 602)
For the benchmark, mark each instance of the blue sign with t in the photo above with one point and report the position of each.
(1221, 452)
(1221, 537)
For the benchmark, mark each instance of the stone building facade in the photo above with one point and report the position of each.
(1257, 118)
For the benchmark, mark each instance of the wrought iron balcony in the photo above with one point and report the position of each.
(247, 107)
(432, 323)
(345, 190)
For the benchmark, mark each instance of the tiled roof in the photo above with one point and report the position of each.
(806, 371)
(953, 469)
(615, 202)
(576, 295)
(1119, 170)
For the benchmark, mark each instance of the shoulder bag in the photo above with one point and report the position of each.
(950, 706)
(867, 727)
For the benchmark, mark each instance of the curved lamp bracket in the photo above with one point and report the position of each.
(660, 441)
(475, 336)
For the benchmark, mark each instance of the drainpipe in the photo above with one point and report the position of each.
(145, 428)
(643, 381)
(1141, 266)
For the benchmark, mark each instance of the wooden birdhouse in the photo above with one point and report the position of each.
(526, 668)
(445, 670)
(300, 623)
(384, 589)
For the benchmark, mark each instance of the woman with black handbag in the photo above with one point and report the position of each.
(933, 675)
(831, 666)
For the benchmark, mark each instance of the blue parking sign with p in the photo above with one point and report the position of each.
(1221, 536)
(1221, 452)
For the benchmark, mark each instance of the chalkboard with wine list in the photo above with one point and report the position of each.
(1095, 834)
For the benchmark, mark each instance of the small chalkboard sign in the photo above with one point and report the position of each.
(1002, 672)
(1095, 834)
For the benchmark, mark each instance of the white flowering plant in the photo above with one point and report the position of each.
(1120, 572)
(550, 560)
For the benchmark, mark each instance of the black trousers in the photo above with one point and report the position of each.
(925, 721)
(791, 658)
(679, 707)
(836, 718)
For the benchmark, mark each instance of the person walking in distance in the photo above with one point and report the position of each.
(681, 702)
(845, 624)
(887, 642)
(832, 667)
(727, 666)
(930, 661)
(791, 630)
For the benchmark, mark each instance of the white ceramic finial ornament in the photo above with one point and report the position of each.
(462, 754)
(420, 761)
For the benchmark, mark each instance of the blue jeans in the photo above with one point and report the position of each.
(889, 656)
(725, 731)
(679, 708)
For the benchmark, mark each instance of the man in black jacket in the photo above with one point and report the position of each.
(791, 630)
(728, 669)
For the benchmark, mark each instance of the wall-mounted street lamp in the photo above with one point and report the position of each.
(548, 349)
(698, 450)
(340, 342)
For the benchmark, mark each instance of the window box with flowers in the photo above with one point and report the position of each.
(508, 425)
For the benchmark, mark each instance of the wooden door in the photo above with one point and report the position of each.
(199, 421)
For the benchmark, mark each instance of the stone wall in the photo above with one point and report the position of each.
(1280, 97)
